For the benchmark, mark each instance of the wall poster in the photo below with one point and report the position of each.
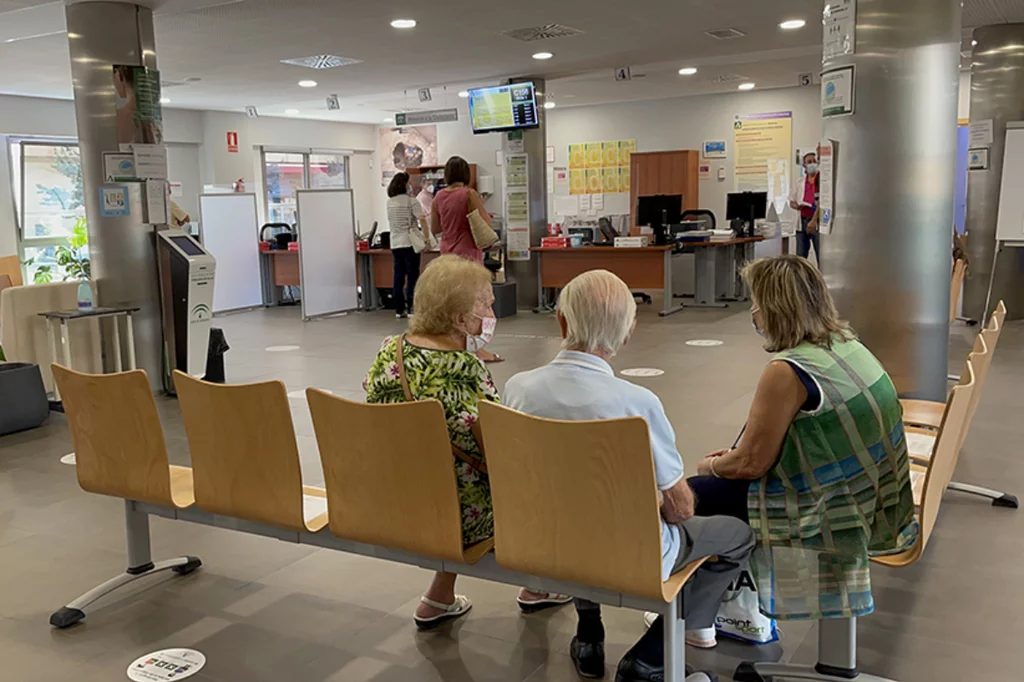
(762, 145)
(139, 115)
(404, 148)
(600, 167)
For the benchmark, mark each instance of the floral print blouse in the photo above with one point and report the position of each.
(459, 381)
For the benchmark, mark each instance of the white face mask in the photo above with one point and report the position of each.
(812, 168)
(476, 342)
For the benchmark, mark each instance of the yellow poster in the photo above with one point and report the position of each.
(763, 146)
(577, 182)
(626, 149)
(611, 154)
(593, 155)
(577, 156)
(593, 181)
(624, 179)
(611, 180)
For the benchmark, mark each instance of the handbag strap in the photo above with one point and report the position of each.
(403, 379)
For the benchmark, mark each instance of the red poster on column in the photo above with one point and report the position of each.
(232, 142)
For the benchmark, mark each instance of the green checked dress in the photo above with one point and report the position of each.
(839, 492)
(459, 381)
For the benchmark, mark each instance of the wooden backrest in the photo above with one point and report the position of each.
(575, 501)
(955, 287)
(11, 266)
(244, 458)
(389, 474)
(119, 443)
(944, 454)
(979, 358)
(999, 315)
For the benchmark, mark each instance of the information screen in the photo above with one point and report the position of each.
(503, 107)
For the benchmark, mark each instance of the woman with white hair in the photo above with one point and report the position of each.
(436, 359)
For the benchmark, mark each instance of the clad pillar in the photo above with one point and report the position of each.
(122, 249)
(997, 95)
(887, 260)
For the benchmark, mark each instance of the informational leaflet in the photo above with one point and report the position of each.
(980, 133)
(827, 197)
(759, 139)
(156, 202)
(838, 91)
(839, 35)
(561, 175)
(518, 242)
(585, 203)
(516, 170)
(517, 206)
(567, 206)
(150, 161)
(597, 202)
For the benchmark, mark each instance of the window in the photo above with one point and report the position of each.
(284, 172)
(50, 201)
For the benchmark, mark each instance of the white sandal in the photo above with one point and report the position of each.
(550, 601)
(702, 638)
(456, 609)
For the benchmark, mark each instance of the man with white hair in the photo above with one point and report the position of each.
(597, 315)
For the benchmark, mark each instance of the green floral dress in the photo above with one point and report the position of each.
(459, 381)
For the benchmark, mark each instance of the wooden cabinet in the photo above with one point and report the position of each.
(670, 172)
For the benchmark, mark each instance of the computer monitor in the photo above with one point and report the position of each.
(747, 206)
(658, 212)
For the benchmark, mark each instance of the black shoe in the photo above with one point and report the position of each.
(631, 669)
(587, 658)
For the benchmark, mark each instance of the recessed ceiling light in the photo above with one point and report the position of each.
(291, 112)
(307, 84)
(746, 86)
(973, 43)
(687, 71)
(403, 23)
(792, 24)
(165, 100)
(543, 55)
(464, 94)
(389, 120)
(549, 105)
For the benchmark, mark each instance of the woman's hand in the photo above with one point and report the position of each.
(704, 466)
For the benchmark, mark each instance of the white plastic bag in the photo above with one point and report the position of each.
(739, 616)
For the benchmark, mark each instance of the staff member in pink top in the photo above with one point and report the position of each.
(448, 218)
(804, 198)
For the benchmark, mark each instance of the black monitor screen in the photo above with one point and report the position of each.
(746, 206)
(660, 210)
(188, 246)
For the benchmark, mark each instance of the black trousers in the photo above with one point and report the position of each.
(407, 271)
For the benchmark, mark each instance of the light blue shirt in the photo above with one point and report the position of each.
(581, 386)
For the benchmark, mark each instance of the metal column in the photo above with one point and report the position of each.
(887, 261)
(997, 94)
(122, 250)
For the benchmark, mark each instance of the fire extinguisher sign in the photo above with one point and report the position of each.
(232, 142)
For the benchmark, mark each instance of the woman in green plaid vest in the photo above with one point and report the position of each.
(821, 472)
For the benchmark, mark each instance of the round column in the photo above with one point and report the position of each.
(887, 260)
(997, 94)
(122, 249)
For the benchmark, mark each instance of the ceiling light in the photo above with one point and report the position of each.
(464, 94)
(403, 23)
(543, 55)
(973, 43)
(307, 84)
(389, 120)
(291, 112)
(792, 24)
(687, 71)
(549, 105)
(746, 86)
(165, 100)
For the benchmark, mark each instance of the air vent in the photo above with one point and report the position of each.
(321, 61)
(725, 33)
(727, 78)
(171, 84)
(546, 32)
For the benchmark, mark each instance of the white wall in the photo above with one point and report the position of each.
(684, 123)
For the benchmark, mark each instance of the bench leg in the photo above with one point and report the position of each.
(999, 499)
(140, 564)
(676, 669)
(837, 659)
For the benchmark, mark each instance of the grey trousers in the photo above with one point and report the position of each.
(730, 539)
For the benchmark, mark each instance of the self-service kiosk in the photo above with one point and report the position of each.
(186, 292)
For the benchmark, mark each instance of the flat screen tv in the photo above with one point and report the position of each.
(503, 107)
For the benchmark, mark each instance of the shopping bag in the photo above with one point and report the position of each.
(740, 617)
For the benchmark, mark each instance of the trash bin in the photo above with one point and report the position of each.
(215, 356)
(23, 402)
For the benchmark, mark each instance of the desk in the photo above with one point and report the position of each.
(376, 268)
(97, 313)
(716, 271)
(278, 268)
(648, 267)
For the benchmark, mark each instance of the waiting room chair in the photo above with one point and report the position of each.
(244, 455)
(389, 485)
(577, 501)
(120, 452)
(837, 638)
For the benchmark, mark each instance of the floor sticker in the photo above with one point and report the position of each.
(169, 664)
(68, 459)
(280, 349)
(704, 342)
(642, 372)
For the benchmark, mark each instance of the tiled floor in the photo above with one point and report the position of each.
(266, 610)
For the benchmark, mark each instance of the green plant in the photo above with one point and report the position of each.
(69, 257)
